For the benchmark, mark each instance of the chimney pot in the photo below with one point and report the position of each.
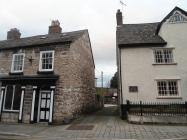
(55, 27)
(119, 17)
(14, 33)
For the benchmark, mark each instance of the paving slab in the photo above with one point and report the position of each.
(106, 126)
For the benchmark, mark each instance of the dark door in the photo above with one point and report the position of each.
(45, 106)
(36, 106)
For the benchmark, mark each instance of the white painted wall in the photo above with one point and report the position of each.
(138, 70)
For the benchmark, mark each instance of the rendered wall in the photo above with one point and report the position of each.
(138, 70)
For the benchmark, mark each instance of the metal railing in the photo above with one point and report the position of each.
(153, 108)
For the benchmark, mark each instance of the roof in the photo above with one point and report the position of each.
(142, 34)
(138, 35)
(66, 37)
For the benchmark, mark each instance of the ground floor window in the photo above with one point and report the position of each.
(12, 97)
(167, 88)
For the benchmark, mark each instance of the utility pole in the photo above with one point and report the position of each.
(102, 79)
(102, 87)
(95, 82)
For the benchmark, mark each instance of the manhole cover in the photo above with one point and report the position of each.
(80, 127)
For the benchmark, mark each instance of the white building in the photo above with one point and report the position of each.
(152, 59)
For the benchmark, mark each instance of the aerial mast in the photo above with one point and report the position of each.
(122, 4)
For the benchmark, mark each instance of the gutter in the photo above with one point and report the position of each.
(43, 44)
(120, 81)
(139, 45)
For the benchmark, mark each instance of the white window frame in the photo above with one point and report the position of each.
(163, 56)
(40, 63)
(168, 95)
(9, 110)
(13, 59)
(180, 18)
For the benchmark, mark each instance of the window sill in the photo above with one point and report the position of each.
(15, 73)
(169, 97)
(45, 72)
(164, 64)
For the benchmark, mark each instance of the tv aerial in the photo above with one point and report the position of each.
(122, 4)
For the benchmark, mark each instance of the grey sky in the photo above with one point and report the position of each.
(33, 17)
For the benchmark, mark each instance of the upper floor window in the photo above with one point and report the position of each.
(46, 61)
(177, 17)
(12, 98)
(167, 88)
(163, 56)
(17, 62)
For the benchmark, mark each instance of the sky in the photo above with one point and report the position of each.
(32, 17)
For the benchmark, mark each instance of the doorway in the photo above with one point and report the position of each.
(44, 106)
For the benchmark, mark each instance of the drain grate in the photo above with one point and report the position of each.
(80, 127)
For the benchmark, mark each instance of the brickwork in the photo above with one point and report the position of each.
(74, 93)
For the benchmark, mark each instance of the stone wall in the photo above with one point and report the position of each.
(174, 119)
(27, 104)
(74, 91)
(75, 88)
(9, 117)
(32, 67)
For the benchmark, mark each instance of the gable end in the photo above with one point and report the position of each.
(177, 17)
(177, 14)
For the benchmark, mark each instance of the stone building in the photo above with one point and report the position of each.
(46, 78)
(152, 62)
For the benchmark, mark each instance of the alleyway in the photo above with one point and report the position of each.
(102, 125)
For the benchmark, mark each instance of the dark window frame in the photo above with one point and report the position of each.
(133, 89)
(13, 105)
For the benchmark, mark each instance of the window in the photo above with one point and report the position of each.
(167, 88)
(17, 62)
(12, 97)
(46, 61)
(133, 89)
(163, 56)
(177, 17)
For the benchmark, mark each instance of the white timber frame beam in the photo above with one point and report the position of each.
(1, 100)
(21, 104)
(33, 104)
(51, 105)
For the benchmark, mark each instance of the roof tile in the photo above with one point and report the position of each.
(41, 39)
(129, 34)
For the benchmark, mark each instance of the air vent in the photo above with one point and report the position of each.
(63, 34)
(43, 37)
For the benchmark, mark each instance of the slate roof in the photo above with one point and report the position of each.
(66, 37)
(142, 34)
(138, 35)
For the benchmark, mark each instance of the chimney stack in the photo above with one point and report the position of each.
(13, 34)
(55, 27)
(119, 17)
